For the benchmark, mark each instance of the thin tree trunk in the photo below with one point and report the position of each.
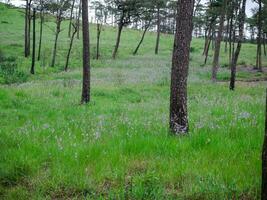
(142, 38)
(55, 43)
(70, 48)
(41, 32)
(259, 41)
(26, 28)
(29, 28)
(71, 16)
(264, 44)
(215, 65)
(158, 31)
(99, 26)
(239, 44)
(120, 27)
(264, 160)
(86, 54)
(180, 65)
(207, 52)
(79, 15)
(33, 42)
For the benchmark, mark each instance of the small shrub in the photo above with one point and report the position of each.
(9, 72)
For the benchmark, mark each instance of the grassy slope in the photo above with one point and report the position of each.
(118, 146)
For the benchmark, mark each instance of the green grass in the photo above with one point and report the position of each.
(119, 147)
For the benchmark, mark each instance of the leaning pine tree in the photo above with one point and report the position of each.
(180, 65)
(86, 54)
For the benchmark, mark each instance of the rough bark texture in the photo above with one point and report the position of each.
(180, 65)
(33, 43)
(142, 38)
(158, 32)
(86, 54)
(239, 44)
(264, 160)
(215, 64)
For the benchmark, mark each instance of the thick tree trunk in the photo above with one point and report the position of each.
(142, 38)
(215, 64)
(41, 33)
(264, 160)
(239, 44)
(158, 32)
(71, 16)
(120, 27)
(33, 42)
(86, 54)
(180, 65)
(70, 48)
(99, 27)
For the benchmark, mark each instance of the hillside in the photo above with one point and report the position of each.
(119, 147)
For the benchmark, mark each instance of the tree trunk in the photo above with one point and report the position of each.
(33, 42)
(79, 15)
(120, 26)
(259, 41)
(86, 54)
(99, 26)
(215, 64)
(264, 160)
(70, 48)
(239, 44)
(142, 38)
(29, 28)
(158, 31)
(180, 65)
(26, 28)
(41, 32)
(264, 44)
(71, 16)
(55, 43)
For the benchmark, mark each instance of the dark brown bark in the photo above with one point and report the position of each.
(215, 64)
(33, 42)
(264, 160)
(86, 54)
(259, 40)
(120, 27)
(71, 16)
(41, 31)
(142, 38)
(180, 65)
(158, 31)
(239, 44)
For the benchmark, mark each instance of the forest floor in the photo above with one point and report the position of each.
(119, 146)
